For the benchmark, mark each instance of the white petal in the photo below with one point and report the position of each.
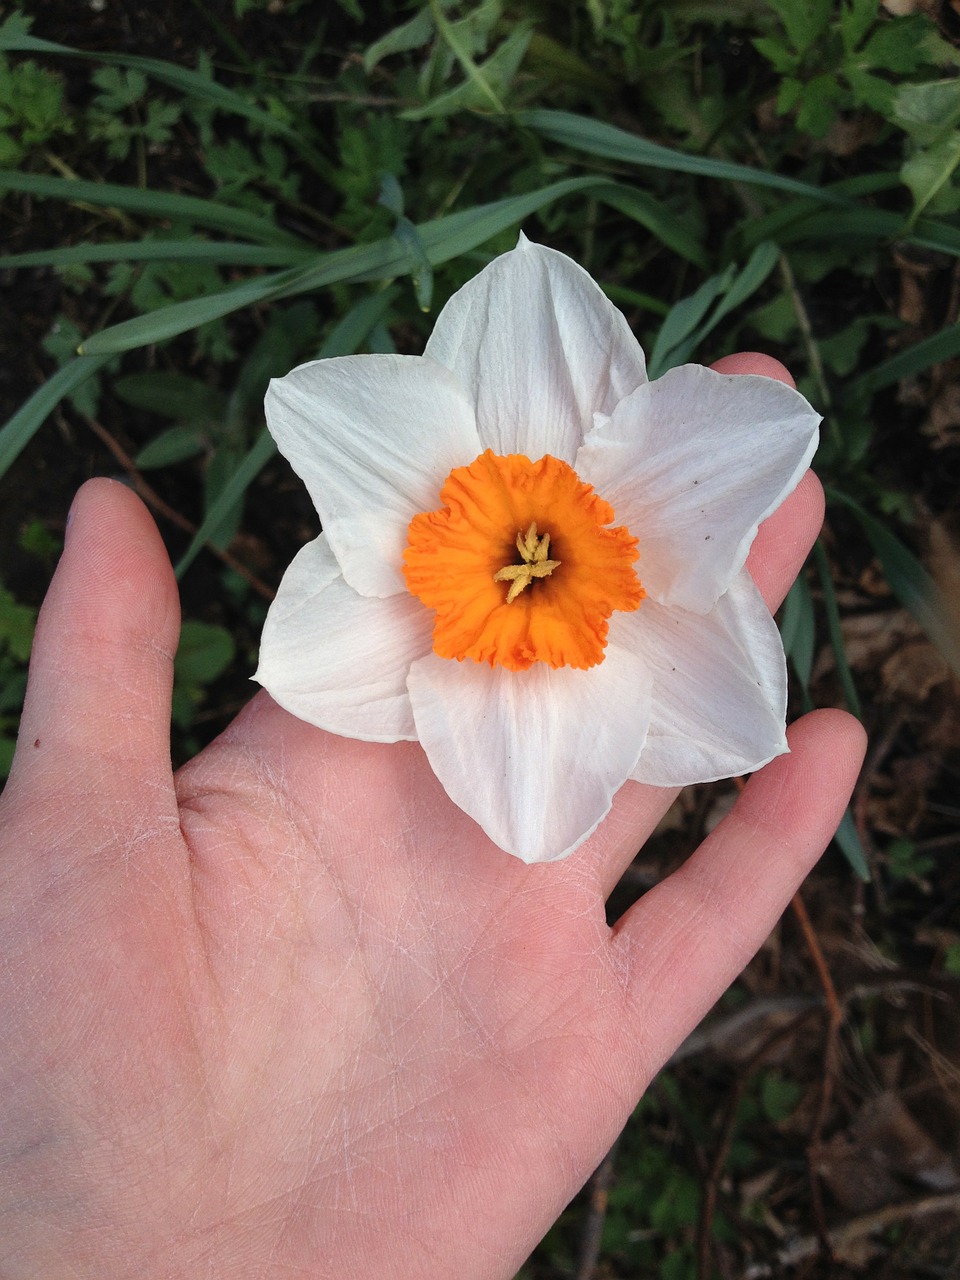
(540, 350)
(337, 659)
(719, 687)
(533, 756)
(691, 464)
(373, 438)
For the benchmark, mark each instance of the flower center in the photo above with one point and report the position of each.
(562, 585)
(533, 563)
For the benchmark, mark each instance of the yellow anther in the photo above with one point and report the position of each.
(533, 552)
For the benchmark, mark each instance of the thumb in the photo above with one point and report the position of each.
(97, 712)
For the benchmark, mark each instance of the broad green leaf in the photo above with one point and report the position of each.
(928, 170)
(171, 446)
(204, 653)
(411, 35)
(17, 433)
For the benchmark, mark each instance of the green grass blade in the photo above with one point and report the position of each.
(224, 252)
(940, 346)
(155, 204)
(232, 492)
(597, 138)
(907, 579)
(443, 239)
(848, 840)
(17, 433)
(832, 611)
(675, 333)
(659, 220)
(798, 630)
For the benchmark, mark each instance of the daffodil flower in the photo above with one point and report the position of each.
(532, 557)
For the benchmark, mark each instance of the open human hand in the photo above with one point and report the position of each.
(289, 1012)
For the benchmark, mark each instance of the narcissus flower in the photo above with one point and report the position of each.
(532, 557)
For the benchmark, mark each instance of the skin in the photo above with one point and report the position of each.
(288, 1013)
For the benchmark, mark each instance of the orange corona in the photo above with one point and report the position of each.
(521, 565)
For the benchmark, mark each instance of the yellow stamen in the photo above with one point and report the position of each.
(533, 563)
(458, 557)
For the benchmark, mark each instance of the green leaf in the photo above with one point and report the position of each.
(848, 840)
(907, 579)
(171, 446)
(17, 433)
(928, 170)
(682, 322)
(17, 622)
(204, 653)
(835, 632)
(155, 204)
(658, 219)
(154, 250)
(933, 350)
(231, 493)
(798, 630)
(484, 84)
(172, 395)
(600, 139)
(446, 238)
(191, 84)
(411, 35)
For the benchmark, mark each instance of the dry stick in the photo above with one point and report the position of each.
(153, 499)
(592, 1234)
(834, 1021)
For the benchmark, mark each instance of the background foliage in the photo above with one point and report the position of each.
(195, 200)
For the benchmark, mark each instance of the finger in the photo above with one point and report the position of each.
(754, 362)
(684, 942)
(97, 710)
(778, 553)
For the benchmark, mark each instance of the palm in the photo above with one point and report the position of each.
(291, 1013)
